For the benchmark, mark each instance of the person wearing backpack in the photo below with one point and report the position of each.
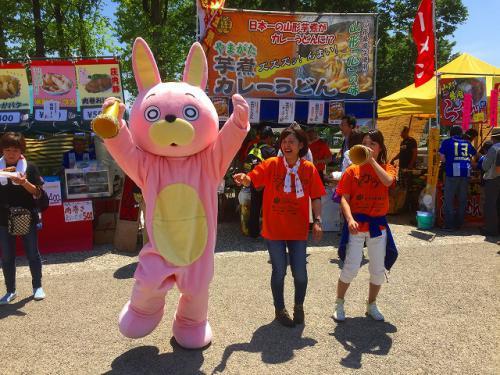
(21, 198)
(258, 153)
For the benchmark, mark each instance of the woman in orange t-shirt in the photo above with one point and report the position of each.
(365, 202)
(289, 182)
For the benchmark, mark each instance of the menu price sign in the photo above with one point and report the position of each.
(97, 80)
(52, 186)
(254, 106)
(78, 211)
(316, 112)
(54, 90)
(286, 113)
(14, 94)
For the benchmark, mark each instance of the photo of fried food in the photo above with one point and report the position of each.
(9, 87)
(221, 106)
(56, 84)
(336, 112)
(98, 83)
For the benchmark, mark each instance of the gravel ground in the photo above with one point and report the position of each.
(441, 307)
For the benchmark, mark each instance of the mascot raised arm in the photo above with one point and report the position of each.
(176, 154)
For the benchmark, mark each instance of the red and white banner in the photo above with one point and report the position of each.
(423, 35)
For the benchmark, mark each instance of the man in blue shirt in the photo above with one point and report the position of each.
(456, 153)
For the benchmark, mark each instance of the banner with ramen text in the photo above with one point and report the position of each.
(451, 99)
(283, 55)
(54, 90)
(14, 94)
(97, 79)
(496, 87)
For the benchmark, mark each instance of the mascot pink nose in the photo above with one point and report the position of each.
(170, 118)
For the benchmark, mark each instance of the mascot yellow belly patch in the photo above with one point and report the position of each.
(180, 227)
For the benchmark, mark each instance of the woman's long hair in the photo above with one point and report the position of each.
(378, 137)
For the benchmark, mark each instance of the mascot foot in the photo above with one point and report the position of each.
(192, 336)
(135, 325)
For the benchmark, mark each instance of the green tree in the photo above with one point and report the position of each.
(169, 27)
(43, 28)
(7, 22)
(397, 51)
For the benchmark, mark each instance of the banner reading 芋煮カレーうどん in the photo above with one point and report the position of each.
(14, 94)
(292, 55)
(54, 90)
(97, 80)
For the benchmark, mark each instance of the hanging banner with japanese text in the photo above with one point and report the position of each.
(54, 90)
(451, 99)
(316, 112)
(254, 107)
(286, 112)
(222, 107)
(97, 80)
(14, 94)
(336, 110)
(282, 55)
(495, 104)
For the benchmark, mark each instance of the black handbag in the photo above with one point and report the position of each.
(19, 221)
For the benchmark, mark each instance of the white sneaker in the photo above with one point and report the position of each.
(38, 294)
(373, 311)
(339, 313)
(8, 298)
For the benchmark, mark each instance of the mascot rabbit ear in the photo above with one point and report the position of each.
(144, 65)
(196, 69)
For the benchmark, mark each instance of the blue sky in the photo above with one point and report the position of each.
(476, 36)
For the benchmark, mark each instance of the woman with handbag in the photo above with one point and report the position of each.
(20, 192)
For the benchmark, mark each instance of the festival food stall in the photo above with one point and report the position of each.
(61, 100)
(468, 96)
(309, 68)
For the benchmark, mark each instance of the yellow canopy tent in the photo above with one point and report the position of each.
(422, 100)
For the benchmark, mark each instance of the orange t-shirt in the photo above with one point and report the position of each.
(368, 194)
(286, 217)
(320, 150)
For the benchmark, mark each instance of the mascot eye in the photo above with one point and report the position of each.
(190, 113)
(152, 113)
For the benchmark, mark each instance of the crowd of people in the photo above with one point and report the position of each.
(460, 158)
(287, 178)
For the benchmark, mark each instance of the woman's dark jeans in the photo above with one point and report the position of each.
(8, 247)
(297, 253)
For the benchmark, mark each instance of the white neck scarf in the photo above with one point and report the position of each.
(21, 166)
(287, 188)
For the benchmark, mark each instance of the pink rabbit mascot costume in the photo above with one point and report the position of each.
(175, 153)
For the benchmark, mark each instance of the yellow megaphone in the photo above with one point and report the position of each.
(359, 154)
(106, 124)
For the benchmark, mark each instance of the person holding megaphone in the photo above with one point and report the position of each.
(364, 191)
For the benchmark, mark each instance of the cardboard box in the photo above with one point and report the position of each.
(104, 236)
